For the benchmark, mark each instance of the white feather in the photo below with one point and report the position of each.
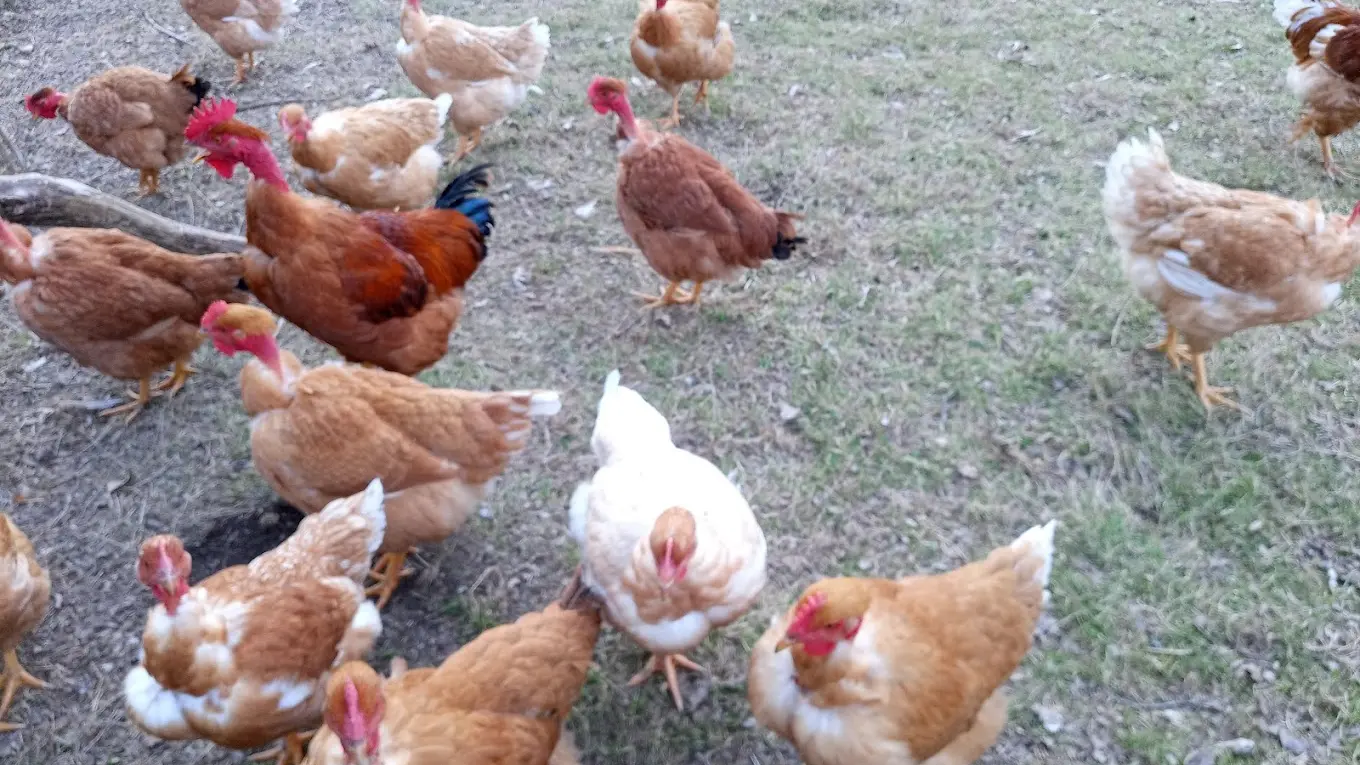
(578, 510)
(540, 32)
(442, 102)
(1285, 11)
(156, 708)
(1039, 540)
(253, 29)
(1330, 292)
(404, 48)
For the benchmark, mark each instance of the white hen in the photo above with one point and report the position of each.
(667, 541)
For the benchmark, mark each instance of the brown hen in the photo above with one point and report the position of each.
(24, 593)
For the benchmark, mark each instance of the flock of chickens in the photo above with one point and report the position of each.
(856, 671)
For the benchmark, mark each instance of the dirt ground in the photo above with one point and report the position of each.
(954, 357)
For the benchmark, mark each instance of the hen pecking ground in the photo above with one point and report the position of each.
(954, 357)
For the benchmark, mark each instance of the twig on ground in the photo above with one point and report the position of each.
(163, 30)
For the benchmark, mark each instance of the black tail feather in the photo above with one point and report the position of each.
(784, 247)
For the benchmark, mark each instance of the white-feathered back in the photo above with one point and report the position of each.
(626, 421)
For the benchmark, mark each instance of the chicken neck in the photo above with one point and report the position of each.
(266, 349)
(16, 261)
(627, 122)
(263, 166)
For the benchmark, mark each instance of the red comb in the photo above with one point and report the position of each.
(353, 726)
(211, 315)
(208, 115)
(806, 610)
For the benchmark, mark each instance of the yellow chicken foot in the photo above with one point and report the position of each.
(1176, 352)
(240, 71)
(629, 251)
(1207, 393)
(139, 400)
(668, 297)
(178, 377)
(15, 677)
(292, 752)
(387, 573)
(665, 663)
(694, 294)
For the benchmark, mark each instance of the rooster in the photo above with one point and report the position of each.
(383, 288)
(1325, 36)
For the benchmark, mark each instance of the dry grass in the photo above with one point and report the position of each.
(958, 310)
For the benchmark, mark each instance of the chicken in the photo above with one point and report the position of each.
(902, 672)
(115, 302)
(132, 114)
(667, 542)
(318, 434)
(680, 41)
(383, 288)
(690, 217)
(1325, 37)
(499, 700)
(380, 155)
(1216, 261)
(241, 27)
(241, 659)
(24, 592)
(487, 70)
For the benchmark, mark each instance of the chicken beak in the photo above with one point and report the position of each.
(199, 159)
(784, 644)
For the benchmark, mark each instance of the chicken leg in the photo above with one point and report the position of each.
(178, 377)
(133, 408)
(1207, 393)
(701, 97)
(665, 663)
(15, 677)
(291, 752)
(1176, 352)
(467, 143)
(241, 70)
(150, 182)
(668, 297)
(387, 573)
(672, 121)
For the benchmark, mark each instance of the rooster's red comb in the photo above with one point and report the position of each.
(211, 315)
(208, 115)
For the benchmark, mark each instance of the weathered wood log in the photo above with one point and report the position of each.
(42, 200)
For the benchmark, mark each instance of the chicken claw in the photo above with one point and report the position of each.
(1208, 394)
(668, 297)
(15, 676)
(140, 399)
(149, 182)
(292, 752)
(665, 663)
(1176, 352)
(387, 573)
(467, 143)
(178, 377)
(701, 97)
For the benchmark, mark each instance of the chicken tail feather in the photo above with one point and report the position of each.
(787, 239)
(196, 85)
(1037, 542)
(462, 195)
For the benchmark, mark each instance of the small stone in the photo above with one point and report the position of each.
(26, 48)
(1049, 717)
(485, 512)
(1255, 525)
(1239, 746)
(793, 91)
(377, 93)
(1291, 743)
(269, 519)
(749, 723)
(788, 412)
(865, 564)
(967, 470)
(585, 211)
(539, 184)
(35, 365)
